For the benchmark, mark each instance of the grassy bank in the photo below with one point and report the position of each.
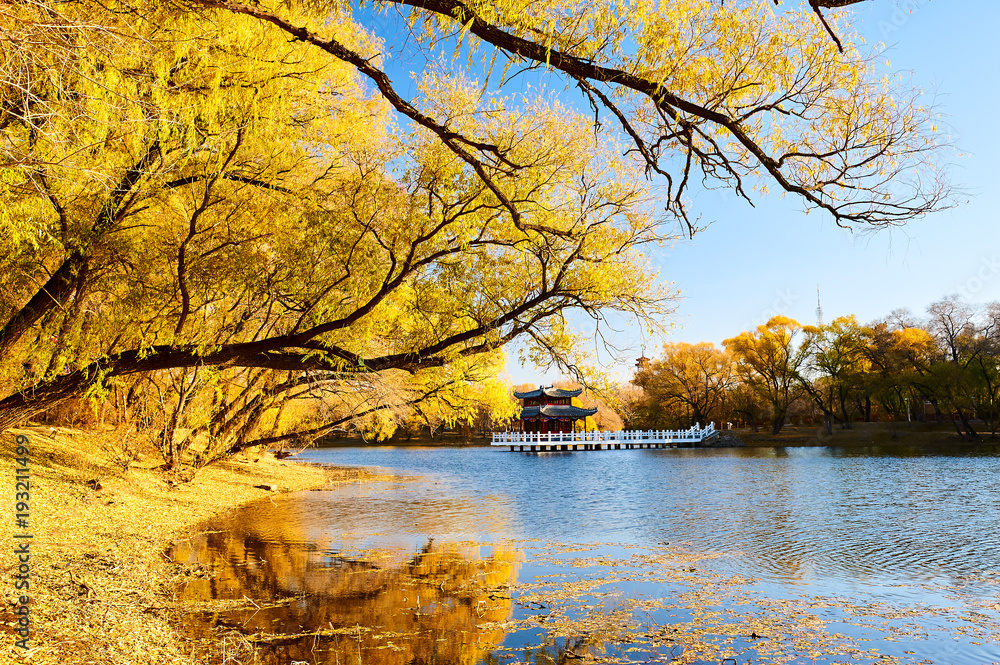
(100, 583)
(860, 434)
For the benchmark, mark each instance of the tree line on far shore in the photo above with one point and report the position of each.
(944, 366)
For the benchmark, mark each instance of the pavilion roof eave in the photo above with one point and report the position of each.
(557, 393)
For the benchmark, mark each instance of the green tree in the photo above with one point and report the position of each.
(986, 368)
(953, 378)
(838, 369)
(898, 355)
(746, 404)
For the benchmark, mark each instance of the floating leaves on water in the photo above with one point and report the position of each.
(622, 604)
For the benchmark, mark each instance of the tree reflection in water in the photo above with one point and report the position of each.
(323, 606)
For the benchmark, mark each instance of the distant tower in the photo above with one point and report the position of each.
(819, 310)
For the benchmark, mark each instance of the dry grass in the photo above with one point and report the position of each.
(100, 584)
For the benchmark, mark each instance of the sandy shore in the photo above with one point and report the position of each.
(100, 584)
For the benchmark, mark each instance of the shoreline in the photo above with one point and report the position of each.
(101, 588)
(864, 434)
(791, 436)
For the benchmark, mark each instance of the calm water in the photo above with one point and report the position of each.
(627, 556)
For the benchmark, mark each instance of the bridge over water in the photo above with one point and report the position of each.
(595, 440)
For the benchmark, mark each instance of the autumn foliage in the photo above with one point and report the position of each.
(942, 368)
(229, 225)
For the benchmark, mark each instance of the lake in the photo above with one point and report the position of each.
(766, 555)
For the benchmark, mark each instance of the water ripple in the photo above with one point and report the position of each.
(784, 514)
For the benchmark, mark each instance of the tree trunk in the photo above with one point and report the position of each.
(777, 423)
(966, 424)
(843, 410)
(957, 428)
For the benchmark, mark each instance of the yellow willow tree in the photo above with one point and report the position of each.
(275, 214)
(695, 377)
(769, 360)
(700, 94)
(244, 225)
(737, 94)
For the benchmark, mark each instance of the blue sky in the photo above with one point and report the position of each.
(775, 255)
(753, 262)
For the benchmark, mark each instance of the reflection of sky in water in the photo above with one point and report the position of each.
(802, 515)
(872, 532)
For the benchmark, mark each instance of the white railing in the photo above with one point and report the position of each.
(695, 434)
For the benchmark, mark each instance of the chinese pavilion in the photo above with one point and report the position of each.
(550, 410)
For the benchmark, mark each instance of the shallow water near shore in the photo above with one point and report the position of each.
(766, 555)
